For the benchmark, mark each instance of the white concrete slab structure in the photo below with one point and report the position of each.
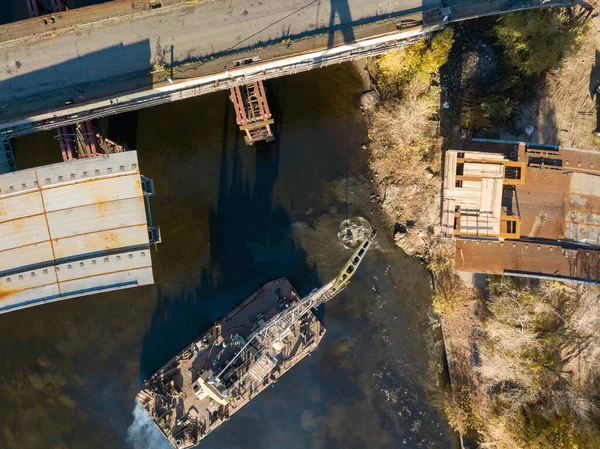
(478, 192)
(72, 229)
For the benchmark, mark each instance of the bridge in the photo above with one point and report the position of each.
(68, 67)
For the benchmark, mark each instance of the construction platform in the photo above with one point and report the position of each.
(180, 397)
(523, 209)
(73, 229)
(252, 112)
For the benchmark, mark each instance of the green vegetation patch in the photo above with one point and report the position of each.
(421, 60)
(535, 41)
(531, 43)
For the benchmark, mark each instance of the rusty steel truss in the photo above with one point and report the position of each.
(252, 112)
(83, 140)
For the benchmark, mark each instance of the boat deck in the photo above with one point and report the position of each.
(186, 411)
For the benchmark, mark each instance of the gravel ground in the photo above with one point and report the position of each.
(568, 110)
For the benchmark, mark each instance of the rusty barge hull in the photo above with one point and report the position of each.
(180, 398)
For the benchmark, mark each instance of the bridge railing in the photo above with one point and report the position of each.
(433, 19)
(157, 96)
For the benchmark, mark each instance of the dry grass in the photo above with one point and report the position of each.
(540, 354)
(406, 156)
(407, 126)
(566, 114)
(405, 145)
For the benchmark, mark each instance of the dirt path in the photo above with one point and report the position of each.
(568, 111)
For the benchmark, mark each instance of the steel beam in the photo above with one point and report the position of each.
(7, 159)
(252, 111)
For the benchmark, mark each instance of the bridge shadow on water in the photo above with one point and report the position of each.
(250, 243)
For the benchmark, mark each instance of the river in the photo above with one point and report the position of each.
(234, 217)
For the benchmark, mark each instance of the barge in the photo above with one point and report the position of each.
(238, 357)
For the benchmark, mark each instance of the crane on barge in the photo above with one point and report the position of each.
(220, 372)
(267, 338)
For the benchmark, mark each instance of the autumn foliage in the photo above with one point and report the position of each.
(421, 60)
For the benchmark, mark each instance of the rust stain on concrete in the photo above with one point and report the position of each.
(6, 293)
(111, 240)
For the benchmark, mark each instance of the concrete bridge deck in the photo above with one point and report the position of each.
(105, 59)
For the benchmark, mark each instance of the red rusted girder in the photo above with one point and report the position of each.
(80, 140)
(238, 104)
(252, 111)
(261, 97)
(66, 143)
(88, 131)
(63, 144)
(93, 137)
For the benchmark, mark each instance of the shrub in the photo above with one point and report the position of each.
(535, 41)
(485, 111)
(397, 68)
(448, 297)
(400, 127)
(529, 364)
(459, 408)
(561, 431)
(449, 289)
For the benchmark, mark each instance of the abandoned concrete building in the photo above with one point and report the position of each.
(523, 209)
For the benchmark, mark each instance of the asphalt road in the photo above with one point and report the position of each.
(67, 63)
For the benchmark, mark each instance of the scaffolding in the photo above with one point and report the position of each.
(252, 112)
(83, 140)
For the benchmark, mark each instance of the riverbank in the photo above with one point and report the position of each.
(404, 143)
(407, 186)
(517, 379)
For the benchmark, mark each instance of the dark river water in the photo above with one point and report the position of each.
(234, 217)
